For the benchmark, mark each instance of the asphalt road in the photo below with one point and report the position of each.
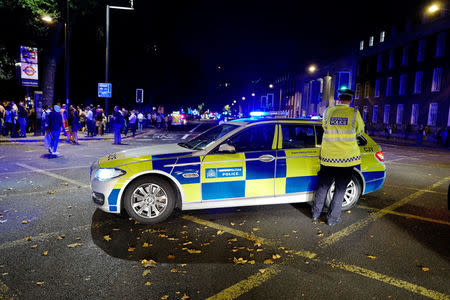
(55, 244)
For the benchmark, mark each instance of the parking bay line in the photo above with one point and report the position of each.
(335, 237)
(412, 188)
(246, 285)
(50, 174)
(405, 215)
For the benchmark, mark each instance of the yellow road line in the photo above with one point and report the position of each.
(390, 280)
(405, 215)
(412, 188)
(419, 165)
(246, 285)
(335, 237)
(256, 280)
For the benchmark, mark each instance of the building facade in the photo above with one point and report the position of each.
(403, 80)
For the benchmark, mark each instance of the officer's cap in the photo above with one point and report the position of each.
(346, 91)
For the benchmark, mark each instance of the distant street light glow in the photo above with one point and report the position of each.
(234, 101)
(47, 19)
(243, 98)
(271, 86)
(312, 69)
(253, 94)
(433, 8)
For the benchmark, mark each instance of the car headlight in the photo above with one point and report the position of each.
(106, 174)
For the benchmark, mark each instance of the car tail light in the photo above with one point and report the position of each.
(380, 155)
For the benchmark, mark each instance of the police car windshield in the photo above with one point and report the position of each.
(205, 139)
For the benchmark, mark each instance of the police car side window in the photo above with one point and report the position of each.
(298, 136)
(319, 133)
(255, 138)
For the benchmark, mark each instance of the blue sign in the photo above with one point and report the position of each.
(224, 172)
(104, 90)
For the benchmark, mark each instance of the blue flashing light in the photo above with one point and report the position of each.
(257, 113)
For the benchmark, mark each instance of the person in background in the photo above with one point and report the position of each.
(2, 120)
(75, 125)
(126, 115)
(55, 123)
(133, 122)
(118, 122)
(22, 114)
(140, 117)
(10, 116)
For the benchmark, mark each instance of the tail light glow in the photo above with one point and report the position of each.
(380, 155)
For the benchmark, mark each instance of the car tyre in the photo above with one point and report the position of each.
(149, 200)
(351, 196)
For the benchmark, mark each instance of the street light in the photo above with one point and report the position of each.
(234, 101)
(108, 7)
(270, 86)
(253, 94)
(312, 69)
(243, 98)
(47, 19)
(433, 8)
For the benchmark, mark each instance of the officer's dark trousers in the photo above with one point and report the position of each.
(342, 176)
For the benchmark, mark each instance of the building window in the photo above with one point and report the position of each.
(414, 114)
(371, 41)
(448, 120)
(366, 110)
(405, 55)
(389, 87)
(357, 90)
(391, 59)
(361, 45)
(382, 36)
(387, 108)
(440, 45)
(421, 52)
(437, 76)
(402, 87)
(379, 62)
(432, 114)
(375, 114)
(377, 88)
(399, 118)
(366, 89)
(418, 82)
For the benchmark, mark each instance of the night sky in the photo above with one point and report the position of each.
(172, 48)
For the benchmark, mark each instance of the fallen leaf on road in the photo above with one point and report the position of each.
(257, 244)
(170, 256)
(262, 271)
(286, 235)
(65, 183)
(45, 253)
(51, 192)
(131, 249)
(185, 297)
(61, 237)
(28, 238)
(425, 269)
(193, 251)
(255, 228)
(33, 247)
(233, 240)
(145, 273)
(259, 250)
(107, 238)
(25, 222)
(234, 250)
(148, 263)
(187, 243)
(165, 297)
(74, 245)
(239, 260)
(320, 234)
(276, 256)
(220, 232)
(294, 231)
(183, 265)
(268, 262)
(232, 224)
(116, 229)
(372, 257)
(148, 283)
(252, 262)
(145, 245)
(162, 235)
(174, 270)
(349, 211)
(40, 283)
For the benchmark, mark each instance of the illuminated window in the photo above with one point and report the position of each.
(432, 114)
(377, 88)
(365, 111)
(375, 114)
(389, 87)
(361, 45)
(391, 58)
(382, 36)
(440, 44)
(371, 41)
(414, 114)
(402, 86)
(366, 89)
(379, 62)
(387, 109)
(405, 55)
(399, 118)
(421, 52)
(418, 82)
(437, 76)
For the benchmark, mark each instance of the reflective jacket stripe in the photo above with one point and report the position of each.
(343, 140)
(329, 131)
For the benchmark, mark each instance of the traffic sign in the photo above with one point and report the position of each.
(104, 90)
(139, 95)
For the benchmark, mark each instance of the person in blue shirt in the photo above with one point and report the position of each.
(118, 122)
(55, 124)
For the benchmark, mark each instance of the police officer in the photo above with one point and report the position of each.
(118, 122)
(339, 153)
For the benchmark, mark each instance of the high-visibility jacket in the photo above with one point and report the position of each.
(341, 124)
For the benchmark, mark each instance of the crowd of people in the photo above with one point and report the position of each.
(14, 119)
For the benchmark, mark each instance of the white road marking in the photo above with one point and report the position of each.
(51, 169)
(51, 174)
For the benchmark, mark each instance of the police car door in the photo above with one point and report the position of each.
(248, 170)
(297, 160)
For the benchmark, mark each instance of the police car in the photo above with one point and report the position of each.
(239, 163)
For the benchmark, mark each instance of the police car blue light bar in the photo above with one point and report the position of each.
(258, 113)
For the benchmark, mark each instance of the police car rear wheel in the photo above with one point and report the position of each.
(351, 195)
(149, 200)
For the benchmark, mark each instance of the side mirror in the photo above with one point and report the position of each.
(227, 148)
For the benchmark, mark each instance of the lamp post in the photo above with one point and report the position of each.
(108, 7)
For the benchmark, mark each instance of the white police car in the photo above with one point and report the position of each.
(239, 163)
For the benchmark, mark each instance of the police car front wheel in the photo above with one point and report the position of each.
(351, 195)
(149, 200)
